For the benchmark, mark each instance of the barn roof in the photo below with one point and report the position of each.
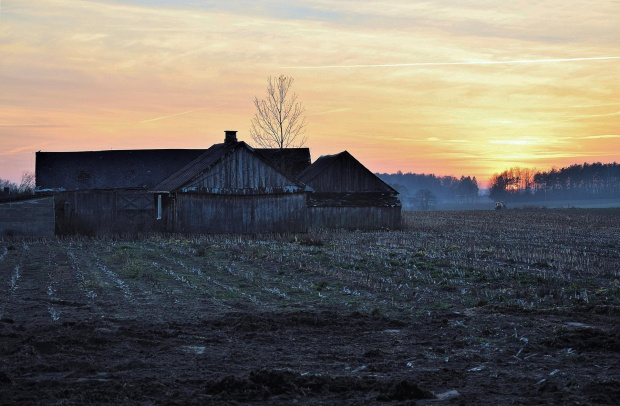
(317, 167)
(326, 161)
(208, 159)
(140, 169)
(115, 169)
(290, 160)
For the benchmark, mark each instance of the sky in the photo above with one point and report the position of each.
(450, 87)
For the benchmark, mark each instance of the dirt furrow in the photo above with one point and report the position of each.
(29, 263)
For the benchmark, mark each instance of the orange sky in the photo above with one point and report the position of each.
(451, 87)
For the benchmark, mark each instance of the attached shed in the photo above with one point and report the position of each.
(348, 195)
(231, 188)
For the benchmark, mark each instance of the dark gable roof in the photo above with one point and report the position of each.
(205, 161)
(289, 160)
(326, 161)
(200, 164)
(140, 169)
(322, 163)
(118, 169)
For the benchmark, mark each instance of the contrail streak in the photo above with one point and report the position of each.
(332, 111)
(395, 65)
(18, 150)
(178, 114)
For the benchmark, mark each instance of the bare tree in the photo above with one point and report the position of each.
(279, 121)
(27, 184)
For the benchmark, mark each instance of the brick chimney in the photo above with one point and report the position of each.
(231, 137)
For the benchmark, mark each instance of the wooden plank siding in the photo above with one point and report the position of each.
(211, 213)
(105, 211)
(241, 172)
(362, 218)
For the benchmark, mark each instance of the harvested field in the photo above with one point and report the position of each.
(472, 307)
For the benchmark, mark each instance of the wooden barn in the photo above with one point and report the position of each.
(347, 195)
(228, 188)
(231, 188)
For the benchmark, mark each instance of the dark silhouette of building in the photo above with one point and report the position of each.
(228, 188)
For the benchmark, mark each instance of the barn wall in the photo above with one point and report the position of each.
(32, 217)
(240, 171)
(211, 213)
(105, 211)
(363, 218)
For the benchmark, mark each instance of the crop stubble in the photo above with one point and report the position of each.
(518, 306)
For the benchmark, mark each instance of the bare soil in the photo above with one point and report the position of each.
(439, 314)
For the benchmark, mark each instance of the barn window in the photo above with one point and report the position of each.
(158, 207)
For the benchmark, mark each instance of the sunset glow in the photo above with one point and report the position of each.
(446, 87)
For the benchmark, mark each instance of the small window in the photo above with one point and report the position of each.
(158, 207)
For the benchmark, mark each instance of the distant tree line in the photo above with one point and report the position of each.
(422, 191)
(585, 181)
(25, 187)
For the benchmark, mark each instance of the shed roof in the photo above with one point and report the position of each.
(312, 171)
(326, 161)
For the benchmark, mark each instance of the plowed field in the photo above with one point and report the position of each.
(511, 307)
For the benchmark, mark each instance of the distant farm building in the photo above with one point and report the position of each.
(347, 195)
(228, 188)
